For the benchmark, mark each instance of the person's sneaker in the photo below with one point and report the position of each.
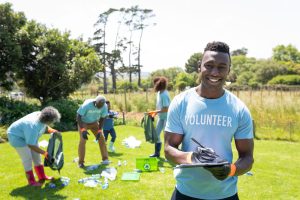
(81, 165)
(111, 149)
(105, 162)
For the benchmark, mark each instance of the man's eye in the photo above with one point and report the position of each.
(222, 67)
(208, 66)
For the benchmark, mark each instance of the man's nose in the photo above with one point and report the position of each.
(215, 71)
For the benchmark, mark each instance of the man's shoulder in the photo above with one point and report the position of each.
(234, 98)
(185, 94)
(87, 102)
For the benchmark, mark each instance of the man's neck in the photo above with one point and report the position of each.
(209, 93)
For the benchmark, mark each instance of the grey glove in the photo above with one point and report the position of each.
(206, 155)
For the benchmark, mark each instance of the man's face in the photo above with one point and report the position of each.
(99, 104)
(214, 69)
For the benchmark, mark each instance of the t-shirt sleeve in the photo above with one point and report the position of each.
(173, 124)
(245, 128)
(81, 110)
(165, 100)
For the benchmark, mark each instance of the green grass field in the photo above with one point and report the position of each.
(275, 173)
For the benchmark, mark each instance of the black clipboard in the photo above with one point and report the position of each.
(201, 165)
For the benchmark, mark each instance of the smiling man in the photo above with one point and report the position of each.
(204, 120)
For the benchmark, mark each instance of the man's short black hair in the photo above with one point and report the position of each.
(217, 46)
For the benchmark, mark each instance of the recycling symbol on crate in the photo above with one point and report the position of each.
(147, 166)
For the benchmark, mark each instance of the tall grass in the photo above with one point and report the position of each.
(276, 113)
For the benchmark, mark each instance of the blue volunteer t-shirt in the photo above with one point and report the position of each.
(213, 123)
(108, 121)
(90, 113)
(26, 131)
(162, 100)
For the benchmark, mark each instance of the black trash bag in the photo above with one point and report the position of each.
(55, 153)
(149, 129)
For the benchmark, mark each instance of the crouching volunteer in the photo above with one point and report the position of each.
(24, 134)
(90, 116)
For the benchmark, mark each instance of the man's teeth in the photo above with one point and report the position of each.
(214, 80)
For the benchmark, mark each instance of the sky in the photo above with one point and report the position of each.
(182, 27)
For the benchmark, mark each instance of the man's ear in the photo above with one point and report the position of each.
(199, 66)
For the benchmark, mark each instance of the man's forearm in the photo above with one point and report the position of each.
(243, 165)
(176, 156)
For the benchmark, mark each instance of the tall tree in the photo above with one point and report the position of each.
(193, 62)
(240, 52)
(112, 59)
(286, 53)
(129, 18)
(100, 35)
(10, 50)
(170, 73)
(240, 64)
(265, 70)
(143, 15)
(54, 66)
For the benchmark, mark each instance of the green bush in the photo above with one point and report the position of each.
(285, 80)
(12, 110)
(67, 109)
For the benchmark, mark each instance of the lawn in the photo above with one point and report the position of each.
(275, 172)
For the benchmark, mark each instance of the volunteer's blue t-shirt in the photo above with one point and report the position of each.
(26, 131)
(214, 123)
(90, 113)
(162, 100)
(108, 121)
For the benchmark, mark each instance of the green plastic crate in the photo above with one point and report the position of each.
(147, 164)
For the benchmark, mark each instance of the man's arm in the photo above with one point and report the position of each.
(172, 153)
(245, 155)
(163, 110)
(101, 121)
(79, 121)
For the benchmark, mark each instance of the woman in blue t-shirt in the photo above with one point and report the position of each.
(24, 134)
(162, 105)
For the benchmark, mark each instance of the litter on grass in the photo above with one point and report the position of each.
(249, 173)
(131, 142)
(109, 173)
(75, 160)
(94, 181)
(64, 180)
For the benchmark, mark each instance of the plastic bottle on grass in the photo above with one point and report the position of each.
(105, 184)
